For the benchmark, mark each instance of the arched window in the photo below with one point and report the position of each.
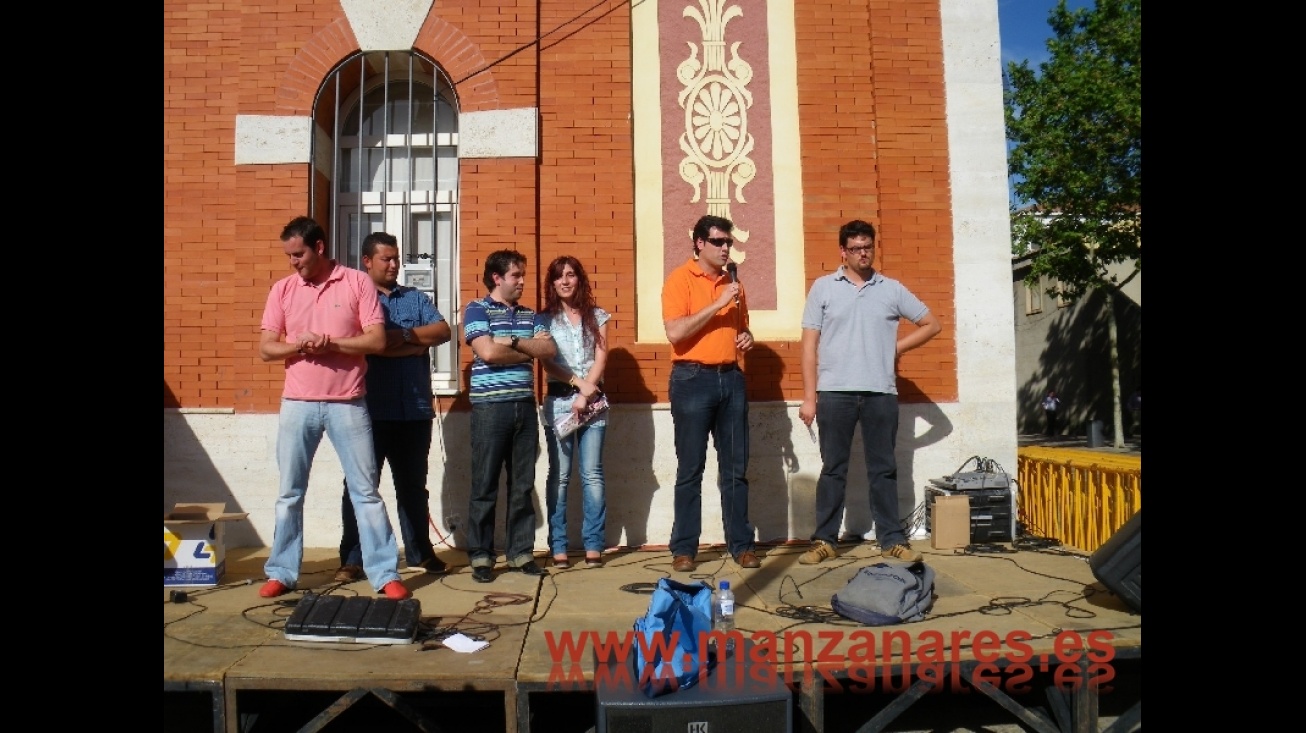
(385, 155)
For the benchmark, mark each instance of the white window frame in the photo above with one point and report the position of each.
(424, 220)
(1034, 298)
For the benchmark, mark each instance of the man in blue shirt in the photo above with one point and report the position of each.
(505, 338)
(399, 401)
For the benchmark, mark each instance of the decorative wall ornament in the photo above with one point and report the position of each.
(716, 100)
(716, 131)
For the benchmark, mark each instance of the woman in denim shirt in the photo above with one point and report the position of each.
(575, 376)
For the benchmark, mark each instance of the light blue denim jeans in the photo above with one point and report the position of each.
(584, 448)
(347, 424)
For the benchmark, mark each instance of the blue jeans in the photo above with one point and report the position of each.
(707, 402)
(586, 444)
(299, 432)
(837, 415)
(505, 435)
(406, 444)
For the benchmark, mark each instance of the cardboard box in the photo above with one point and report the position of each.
(950, 522)
(194, 552)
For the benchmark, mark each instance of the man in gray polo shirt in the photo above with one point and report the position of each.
(850, 347)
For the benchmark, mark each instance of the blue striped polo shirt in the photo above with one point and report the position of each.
(500, 382)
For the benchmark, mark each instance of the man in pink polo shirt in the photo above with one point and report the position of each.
(322, 322)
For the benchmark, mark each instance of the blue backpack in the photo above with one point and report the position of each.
(668, 656)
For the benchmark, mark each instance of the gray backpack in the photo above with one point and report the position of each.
(884, 594)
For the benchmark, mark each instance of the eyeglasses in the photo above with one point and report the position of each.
(860, 250)
(721, 241)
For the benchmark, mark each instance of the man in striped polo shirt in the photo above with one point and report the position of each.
(505, 338)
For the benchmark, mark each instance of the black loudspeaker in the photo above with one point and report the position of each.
(355, 619)
(736, 697)
(1118, 563)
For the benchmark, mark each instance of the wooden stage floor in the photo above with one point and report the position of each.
(1017, 617)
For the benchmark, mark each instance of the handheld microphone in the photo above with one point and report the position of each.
(733, 269)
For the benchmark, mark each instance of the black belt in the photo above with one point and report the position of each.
(561, 389)
(729, 367)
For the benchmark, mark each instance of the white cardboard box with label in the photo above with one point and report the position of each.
(194, 551)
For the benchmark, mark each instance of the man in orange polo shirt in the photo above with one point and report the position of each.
(706, 317)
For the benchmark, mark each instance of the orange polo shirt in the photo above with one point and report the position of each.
(689, 290)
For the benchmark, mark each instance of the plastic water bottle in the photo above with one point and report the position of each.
(723, 613)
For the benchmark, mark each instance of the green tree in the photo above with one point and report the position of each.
(1076, 159)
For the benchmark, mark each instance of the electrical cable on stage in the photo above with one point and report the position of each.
(985, 548)
(1031, 572)
(198, 610)
(645, 589)
(1032, 542)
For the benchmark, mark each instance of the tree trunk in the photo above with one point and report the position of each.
(1114, 344)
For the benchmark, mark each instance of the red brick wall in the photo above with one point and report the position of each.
(916, 202)
(587, 168)
(871, 107)
(874, 146)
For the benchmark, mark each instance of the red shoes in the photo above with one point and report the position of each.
(273, 588)
(395, 591)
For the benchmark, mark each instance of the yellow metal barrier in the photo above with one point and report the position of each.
(1080, 497)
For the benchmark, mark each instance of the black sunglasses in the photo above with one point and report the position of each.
(719, 241)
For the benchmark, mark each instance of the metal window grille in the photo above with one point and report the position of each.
(385, 158)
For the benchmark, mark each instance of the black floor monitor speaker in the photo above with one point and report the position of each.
(358, 619)
(734, 698)
(1118, 563)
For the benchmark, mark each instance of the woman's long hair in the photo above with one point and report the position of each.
(584, 296)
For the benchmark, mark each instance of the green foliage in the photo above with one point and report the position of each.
(1077, 157)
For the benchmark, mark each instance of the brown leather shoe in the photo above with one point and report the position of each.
(747, 559)
(682, 564)
(348, 574)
